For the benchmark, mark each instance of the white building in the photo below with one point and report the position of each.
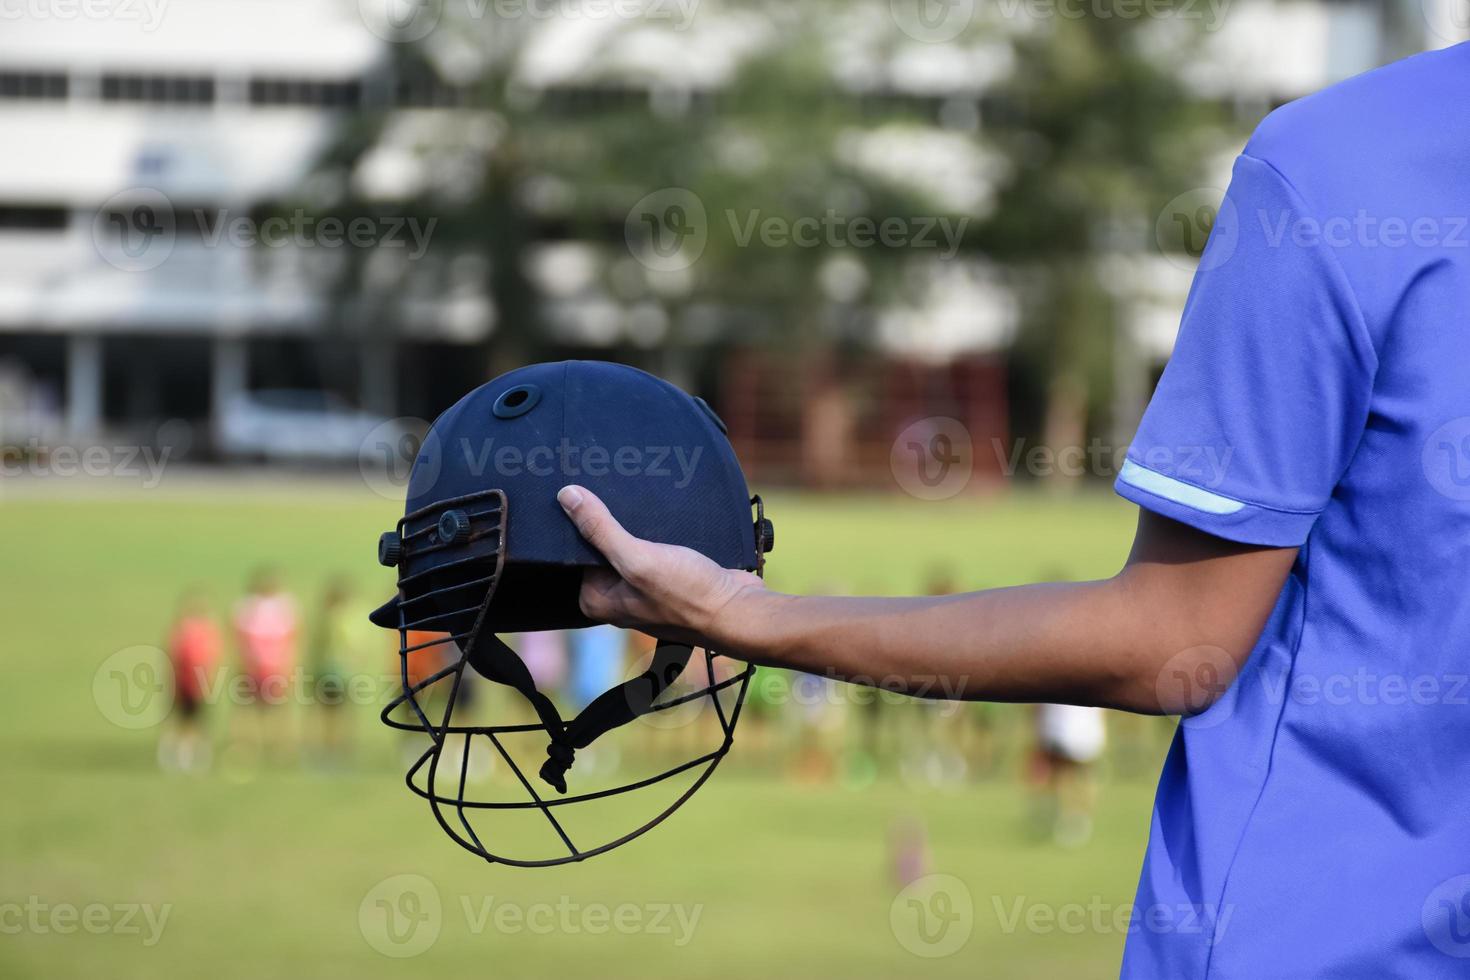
(135, 138)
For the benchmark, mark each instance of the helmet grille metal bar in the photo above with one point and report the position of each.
(433, 610)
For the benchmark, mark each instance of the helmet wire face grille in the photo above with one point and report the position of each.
(442, 628)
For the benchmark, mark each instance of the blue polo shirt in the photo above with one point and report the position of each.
(1315, 821)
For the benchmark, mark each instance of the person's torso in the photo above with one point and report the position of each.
(1316, 820)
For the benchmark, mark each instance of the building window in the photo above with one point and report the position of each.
(305, 92)
(161, 89)
(32, 85)
(428, 92)
(32, 217)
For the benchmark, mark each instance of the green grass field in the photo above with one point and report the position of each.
(267, 876)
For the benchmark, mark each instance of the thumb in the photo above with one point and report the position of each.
(597, 525)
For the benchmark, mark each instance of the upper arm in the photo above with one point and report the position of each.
(1205, 600)
(1267, 393)
(1255, 421)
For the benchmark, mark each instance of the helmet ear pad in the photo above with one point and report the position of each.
(528, 596)
(537, 596)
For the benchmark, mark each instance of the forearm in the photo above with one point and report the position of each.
(1103, 643)
(1166, 634)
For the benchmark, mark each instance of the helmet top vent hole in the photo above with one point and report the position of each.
(516, 401)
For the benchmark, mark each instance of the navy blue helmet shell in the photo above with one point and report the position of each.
(658, 457)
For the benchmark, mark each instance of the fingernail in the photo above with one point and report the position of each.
(570, 498)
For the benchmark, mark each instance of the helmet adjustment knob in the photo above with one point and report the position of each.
(454, 527)
(765, 535)
(390, 548)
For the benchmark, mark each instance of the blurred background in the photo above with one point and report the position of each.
(926, 259)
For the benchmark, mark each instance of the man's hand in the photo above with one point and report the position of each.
(667, 591)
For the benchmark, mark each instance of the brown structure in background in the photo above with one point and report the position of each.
(830, 422)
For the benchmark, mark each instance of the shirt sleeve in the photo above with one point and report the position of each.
(1265, 398)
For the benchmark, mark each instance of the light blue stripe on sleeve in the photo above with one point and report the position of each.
(1184, 494)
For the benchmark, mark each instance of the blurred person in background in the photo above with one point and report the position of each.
(1069, 741)
(337, 640)
(545, 656)
(818, 719)
(194, 648)
(936, 727)
(908, 850)
(767, 702)
(595, 664)
(427, 653)
(702, 674)
(637, 656)
(816, 711)
(267, 628)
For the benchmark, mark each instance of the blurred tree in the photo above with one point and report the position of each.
(674, 191)
(1099, 130)
(503, 167)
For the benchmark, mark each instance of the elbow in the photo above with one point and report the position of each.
(1183, 682)
(1188, 659)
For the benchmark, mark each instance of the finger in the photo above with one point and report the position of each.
(598, 527)
(595, 595)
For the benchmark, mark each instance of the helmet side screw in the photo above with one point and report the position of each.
(454, 527)
(765, 535)
(390, 548)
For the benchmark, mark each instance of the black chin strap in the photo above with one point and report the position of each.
(495, 661)
(615, 707)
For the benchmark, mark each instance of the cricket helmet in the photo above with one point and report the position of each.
(485, 548)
